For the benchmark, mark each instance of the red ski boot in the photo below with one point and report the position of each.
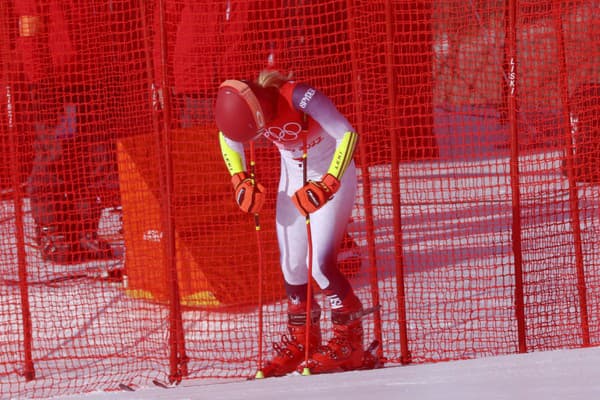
(289, 352)
(345, 350)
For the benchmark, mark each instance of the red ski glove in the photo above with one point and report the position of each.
(249, 194)
(314, 194)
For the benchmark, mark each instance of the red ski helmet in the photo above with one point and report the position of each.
(238, 112)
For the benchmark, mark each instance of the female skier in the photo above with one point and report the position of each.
(299, 120)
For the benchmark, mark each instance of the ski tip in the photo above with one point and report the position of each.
(164, 385)
(374, 345)
(259, 374)
(127, 388)
(371, 360)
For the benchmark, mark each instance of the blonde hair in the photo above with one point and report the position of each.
(272, 78)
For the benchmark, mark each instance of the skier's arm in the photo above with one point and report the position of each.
(320, 108)
(343, 155)
(314, 194)
(233, 155)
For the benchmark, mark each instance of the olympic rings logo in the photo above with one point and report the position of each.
(290, 131)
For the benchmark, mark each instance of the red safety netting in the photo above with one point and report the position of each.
(124, 258)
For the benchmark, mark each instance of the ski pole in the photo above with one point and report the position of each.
(306, 369)
(259, 371)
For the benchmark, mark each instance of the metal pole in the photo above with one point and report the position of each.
(366, 179)
(178, 358)
(573, 194)
(9, 72)
(511, 48)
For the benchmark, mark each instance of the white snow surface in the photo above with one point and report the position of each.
(560, 375)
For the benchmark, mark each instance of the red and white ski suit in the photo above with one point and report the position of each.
(304, 113)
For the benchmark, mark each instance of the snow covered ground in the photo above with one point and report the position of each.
(560, 375)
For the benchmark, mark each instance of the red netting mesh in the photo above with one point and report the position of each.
(475, 226)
